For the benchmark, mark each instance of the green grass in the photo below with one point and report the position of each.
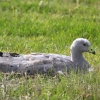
(50, 26)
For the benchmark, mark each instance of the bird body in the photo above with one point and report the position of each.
(44, 63)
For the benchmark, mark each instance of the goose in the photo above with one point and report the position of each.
(44, 63)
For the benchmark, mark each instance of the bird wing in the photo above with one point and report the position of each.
(36, 63)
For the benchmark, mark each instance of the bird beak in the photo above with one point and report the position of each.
(91, 50)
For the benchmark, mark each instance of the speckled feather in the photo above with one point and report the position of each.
(43, 63)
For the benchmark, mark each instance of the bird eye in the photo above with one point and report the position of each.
(84, 44)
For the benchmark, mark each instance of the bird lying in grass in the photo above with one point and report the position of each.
(43, 63)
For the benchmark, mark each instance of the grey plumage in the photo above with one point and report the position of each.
(43, 63)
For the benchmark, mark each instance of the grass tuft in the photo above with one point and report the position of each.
(50, 26)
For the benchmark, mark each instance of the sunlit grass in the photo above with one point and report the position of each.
(50, 26)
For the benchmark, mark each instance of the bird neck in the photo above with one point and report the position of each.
(76, 56)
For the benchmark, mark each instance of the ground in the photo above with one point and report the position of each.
(50, 26)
